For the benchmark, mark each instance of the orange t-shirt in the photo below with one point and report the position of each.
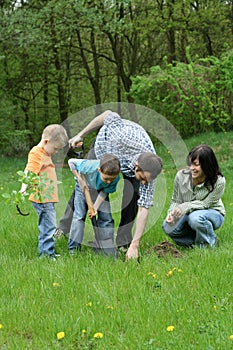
(40, 162)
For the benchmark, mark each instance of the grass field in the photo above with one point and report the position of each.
(105, 304)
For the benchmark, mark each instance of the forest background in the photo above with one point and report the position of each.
(60, 57)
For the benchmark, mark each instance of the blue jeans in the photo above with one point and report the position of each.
(105, 221)
(196, 228)
(47, 226)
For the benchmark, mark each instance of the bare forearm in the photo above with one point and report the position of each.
(99, 200)
(96, 123)
(140, 225)
(24, 187)
(132, 252)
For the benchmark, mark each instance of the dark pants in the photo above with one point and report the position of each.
(129, 209)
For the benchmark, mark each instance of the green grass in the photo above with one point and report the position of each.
(131, 304)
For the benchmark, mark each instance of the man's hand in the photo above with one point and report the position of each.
(76, 141)
(132, 252)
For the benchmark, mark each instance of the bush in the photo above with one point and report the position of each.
(195, 97)
(15, 143)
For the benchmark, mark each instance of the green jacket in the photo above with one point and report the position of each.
(189, 198)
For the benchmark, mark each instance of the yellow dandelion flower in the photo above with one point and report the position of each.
(84, 331)
(169, 274)
(110, 307)
(214, 307)
(180, 270)
(89, 304)
(150, 274)
(56, 284)
(174, 268)
(98, 335)
(60, 335)
(231, 337)
(1, 326)
(170, 328)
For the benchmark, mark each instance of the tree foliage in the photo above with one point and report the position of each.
(58, 57)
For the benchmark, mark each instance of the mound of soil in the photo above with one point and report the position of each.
(165, 249)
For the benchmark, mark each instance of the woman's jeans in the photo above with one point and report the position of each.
(105, 222)
(196, 228)
(47, 226)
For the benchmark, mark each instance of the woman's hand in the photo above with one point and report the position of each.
(174, 216)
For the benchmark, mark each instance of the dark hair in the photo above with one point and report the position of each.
(151, 163)
(208, 162)
(110, 164)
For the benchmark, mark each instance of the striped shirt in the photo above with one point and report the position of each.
(126, 140)
(189, 198)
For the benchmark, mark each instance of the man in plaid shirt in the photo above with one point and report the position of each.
(139, 165)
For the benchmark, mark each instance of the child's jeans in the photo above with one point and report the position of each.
(47, 226)
(105, 221)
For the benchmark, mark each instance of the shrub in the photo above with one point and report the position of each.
(195, 97)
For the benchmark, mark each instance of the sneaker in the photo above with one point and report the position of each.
(54, 257)
(59, 233)
(74, 251)
(123, 248)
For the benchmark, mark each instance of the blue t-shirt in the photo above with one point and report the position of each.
(90, 169)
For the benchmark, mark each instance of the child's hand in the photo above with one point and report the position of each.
(92, 213)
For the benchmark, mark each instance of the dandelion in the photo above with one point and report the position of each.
(231, 337)
(169, 274)
(60, 335)
(98, 335)
(170, 328)
(84, 331)
(110, 307)
(214, 307)
(56, 284)
(89, 304)
(1, 326)
(150, 274)
(180, 270)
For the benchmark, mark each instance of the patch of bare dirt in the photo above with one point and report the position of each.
(165, 249)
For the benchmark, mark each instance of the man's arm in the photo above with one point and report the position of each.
(93, 125)
(132, 252)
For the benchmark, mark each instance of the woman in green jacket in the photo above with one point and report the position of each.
(196, 208)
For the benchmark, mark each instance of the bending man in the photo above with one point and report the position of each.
(140, 165)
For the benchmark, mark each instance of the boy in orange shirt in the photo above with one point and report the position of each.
(54, 137)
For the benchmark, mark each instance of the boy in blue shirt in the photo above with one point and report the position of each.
(101, 175)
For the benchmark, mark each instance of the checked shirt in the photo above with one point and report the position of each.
(126, 140)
